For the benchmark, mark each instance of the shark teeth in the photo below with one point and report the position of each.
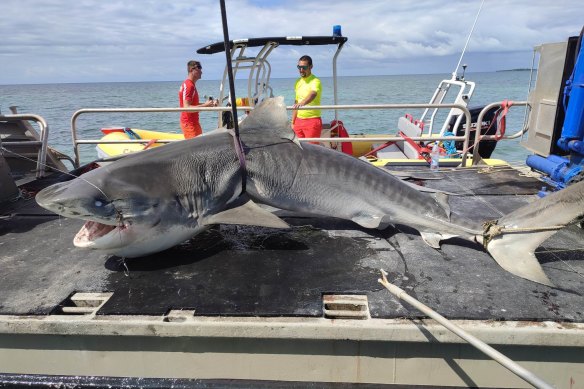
(90, 232)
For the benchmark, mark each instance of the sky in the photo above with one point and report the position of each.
(62, 41)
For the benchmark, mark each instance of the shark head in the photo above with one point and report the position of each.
(150, 201)
(121, 218)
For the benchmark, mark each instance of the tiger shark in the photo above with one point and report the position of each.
(150, 201)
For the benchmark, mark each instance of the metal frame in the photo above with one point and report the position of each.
(465, 92)
(465, 138)
(258, 84)
(42, 144)
(382, 138)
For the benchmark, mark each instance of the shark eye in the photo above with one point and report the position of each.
(98, 203)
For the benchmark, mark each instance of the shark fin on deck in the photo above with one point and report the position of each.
(373, 221)
(247, 213)
(432, 239)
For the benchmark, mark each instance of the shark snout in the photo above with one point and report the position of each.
(76, 199)
(51, 197)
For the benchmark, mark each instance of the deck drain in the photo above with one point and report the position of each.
(343, 306)
(82, 303)
(179, 315)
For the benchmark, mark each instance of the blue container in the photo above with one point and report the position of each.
(574, 122)
(337, 30)
(542, 164)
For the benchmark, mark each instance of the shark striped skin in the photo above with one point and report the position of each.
(155, 199)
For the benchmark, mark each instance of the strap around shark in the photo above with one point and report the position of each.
(268, 118)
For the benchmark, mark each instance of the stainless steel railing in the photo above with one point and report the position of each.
(42, 144)
(465, 138)
(77, 114)
(478, 137)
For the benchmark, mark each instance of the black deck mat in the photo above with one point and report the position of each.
(492, 181)
(236, 270)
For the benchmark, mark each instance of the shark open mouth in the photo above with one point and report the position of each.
(91, 231)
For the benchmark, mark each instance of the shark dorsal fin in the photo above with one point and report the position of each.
(269, 117)
(442, 199)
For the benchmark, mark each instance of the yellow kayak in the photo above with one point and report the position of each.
(105, 150)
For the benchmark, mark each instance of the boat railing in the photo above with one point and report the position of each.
(381, 138)
(478, 137)
(41, 143)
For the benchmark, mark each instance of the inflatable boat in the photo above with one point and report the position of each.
(150, 138)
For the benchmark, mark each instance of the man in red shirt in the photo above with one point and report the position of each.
(189, 97)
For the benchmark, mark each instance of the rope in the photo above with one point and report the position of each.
(501, 119)
(492, 230)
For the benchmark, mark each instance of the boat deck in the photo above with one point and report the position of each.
(253, 271)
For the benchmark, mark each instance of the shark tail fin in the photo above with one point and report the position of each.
(525, 229)
(510, 251)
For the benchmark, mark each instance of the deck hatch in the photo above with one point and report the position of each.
(339, 306)
(82, 303)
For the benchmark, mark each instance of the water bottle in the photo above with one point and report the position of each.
(435, 158)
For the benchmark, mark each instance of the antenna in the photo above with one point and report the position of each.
(467, 40)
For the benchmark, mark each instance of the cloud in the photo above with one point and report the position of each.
(132, 40)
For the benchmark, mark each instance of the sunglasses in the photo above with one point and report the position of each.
(197, 67)
(305, 67)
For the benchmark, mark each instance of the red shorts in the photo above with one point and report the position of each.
(190, 129)
(308, 128)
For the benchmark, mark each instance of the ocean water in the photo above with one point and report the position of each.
(58, 102)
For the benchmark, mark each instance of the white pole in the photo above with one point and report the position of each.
(479, 344)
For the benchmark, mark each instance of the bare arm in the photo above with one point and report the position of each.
(302, 103)
(208, 103)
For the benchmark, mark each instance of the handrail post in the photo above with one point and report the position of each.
(335, 94)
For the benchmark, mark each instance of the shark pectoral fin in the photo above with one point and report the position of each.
(368, 221)
(248, 213)
(373, 221)
(433, 239)
(516, 253)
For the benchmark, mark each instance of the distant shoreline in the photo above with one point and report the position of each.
(515, 70)
(439, 74)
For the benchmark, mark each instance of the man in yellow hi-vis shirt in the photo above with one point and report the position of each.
(307, 122)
